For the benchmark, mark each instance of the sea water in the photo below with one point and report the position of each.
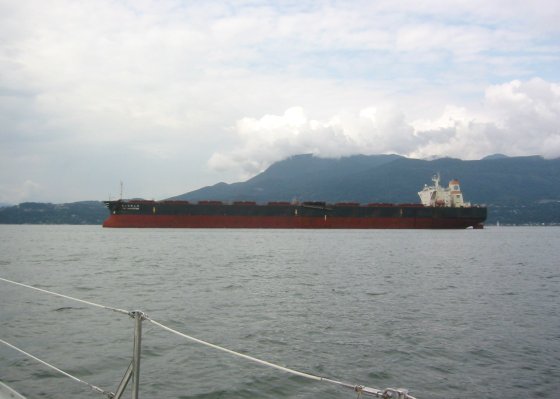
(446, 314)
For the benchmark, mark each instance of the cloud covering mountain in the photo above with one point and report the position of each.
(517, 118)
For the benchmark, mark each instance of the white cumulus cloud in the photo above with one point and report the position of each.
(516, 118)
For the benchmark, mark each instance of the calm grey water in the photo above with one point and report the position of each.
(446, 314)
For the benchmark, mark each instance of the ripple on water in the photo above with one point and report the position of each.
(351, 305)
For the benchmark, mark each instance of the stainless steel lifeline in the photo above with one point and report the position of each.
(133, 370)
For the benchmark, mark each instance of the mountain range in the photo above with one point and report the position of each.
(392, 178)
(517, 190)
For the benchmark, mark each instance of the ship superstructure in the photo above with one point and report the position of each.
(436, 195)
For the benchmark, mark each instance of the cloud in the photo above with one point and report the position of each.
(528, 116)
(147, 92)
(15, 193)
(274, 137)
(518, 118)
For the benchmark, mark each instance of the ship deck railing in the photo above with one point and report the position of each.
(132, 373)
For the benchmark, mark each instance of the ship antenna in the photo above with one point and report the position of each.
(121, 188)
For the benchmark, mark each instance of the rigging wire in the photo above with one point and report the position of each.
(387, 393)
(91, 386)
(357, 388)
(67, 297)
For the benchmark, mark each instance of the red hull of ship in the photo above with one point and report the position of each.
(282, 222)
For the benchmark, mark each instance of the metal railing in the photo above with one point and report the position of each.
(133, 370)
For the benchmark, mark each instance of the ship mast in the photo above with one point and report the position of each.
(436, 180)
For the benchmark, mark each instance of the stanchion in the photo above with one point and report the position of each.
(133, 370)
(138, 317)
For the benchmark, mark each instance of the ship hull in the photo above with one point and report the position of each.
(148, 214)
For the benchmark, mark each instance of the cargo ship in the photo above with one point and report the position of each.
(440, 208)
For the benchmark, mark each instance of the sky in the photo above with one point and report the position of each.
(170, 96)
